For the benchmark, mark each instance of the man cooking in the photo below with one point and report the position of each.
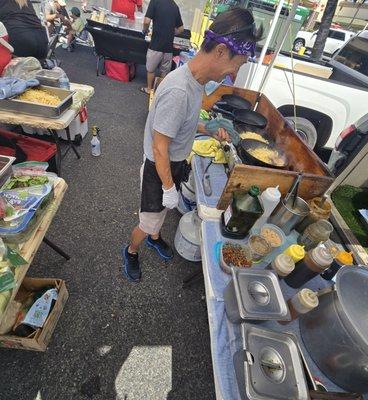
(172, 123)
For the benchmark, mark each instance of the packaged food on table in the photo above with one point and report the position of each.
(234, 255)
(20, 202)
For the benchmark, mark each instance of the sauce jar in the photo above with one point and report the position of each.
(301, 303)
(319, 209)
(283, 265)
(341, 258)
(315, 262)
(315, 233)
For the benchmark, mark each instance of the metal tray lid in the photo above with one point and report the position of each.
(259, 295)
(273, 367)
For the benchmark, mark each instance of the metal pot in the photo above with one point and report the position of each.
(286, 217)
(336, 332)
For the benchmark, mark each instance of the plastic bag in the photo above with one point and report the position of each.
(22, 68)
(23, 200)
(30, 168)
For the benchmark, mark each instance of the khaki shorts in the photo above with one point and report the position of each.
(157, 59)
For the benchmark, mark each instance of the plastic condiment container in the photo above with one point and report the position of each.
(315, 233)
(269, 199)
(315, 262)
(342, 258)
(296, 252)
(301, 303)
(259, 247)
(283, 265)
(273, 234)
(317, 212)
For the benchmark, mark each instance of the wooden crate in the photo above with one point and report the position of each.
(40, 339)
(317, 177)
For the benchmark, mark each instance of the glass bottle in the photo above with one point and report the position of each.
(242, 213)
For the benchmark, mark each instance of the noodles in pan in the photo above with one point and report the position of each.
(39, 96)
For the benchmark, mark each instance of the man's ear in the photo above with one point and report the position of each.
(221, 50)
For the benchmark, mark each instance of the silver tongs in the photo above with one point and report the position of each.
(293, 191)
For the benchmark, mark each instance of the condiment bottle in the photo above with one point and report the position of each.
(342, 258)
(320, 208)
(296, 252)
(315, 233)
(315, 262)
(269, 198)
(301, 303)
(241, 214)
(95, 142)
(283, 265)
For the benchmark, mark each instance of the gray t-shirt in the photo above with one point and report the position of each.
(175, 113)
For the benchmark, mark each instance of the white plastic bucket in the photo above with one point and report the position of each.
(187, 238)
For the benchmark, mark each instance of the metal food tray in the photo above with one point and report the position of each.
(5, 168)
(40, 110)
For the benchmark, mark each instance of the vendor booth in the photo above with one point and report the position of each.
(269, 278)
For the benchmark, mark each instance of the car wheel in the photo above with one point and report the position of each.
(298, 44)
(304, 129)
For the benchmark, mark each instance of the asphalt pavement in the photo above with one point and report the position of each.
(114, 340)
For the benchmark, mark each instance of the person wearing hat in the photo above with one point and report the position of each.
(25, 32)
(74, 26)
(54, 11)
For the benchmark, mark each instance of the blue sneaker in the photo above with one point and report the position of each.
(162, 248)
(131, 268)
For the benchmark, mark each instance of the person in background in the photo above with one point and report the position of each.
(26, 34)
(167, 23)
(172, 124)
(54, 11)
(74, 26)
(127, 7)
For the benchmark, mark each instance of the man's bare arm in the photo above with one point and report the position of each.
(160, 147)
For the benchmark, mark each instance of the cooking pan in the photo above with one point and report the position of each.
(245, 120)
(250, 118)
(249, 144)
(236, 102)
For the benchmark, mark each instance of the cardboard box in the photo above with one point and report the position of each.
(39, 340)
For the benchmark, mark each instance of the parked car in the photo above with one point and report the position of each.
(335, 40)
(349, 143)
(328, 96)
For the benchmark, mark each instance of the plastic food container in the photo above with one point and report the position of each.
(49, 77)
(259, 247)
(227, 267)
(273, 234)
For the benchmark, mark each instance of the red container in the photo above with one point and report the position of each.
(35, 149)
(5, 49)
(123, 72)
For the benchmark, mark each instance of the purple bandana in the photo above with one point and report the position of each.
(242, 49)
